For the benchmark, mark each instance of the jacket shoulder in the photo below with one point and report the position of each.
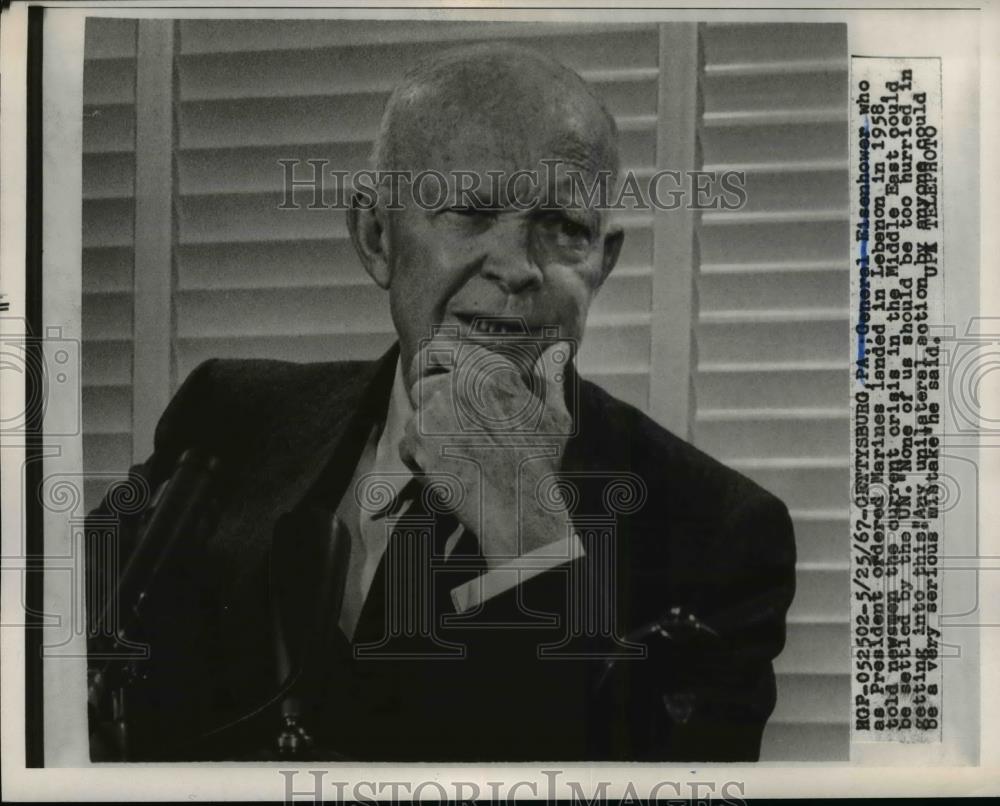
(712, 536)
(674, 470)
(225, 401)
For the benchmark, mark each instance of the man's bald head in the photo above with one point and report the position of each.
(494, 100)
(526, 244)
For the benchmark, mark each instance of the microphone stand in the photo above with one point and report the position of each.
(326, 541)
(294, 740)
(174, 519)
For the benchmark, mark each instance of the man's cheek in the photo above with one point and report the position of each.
(567, 302)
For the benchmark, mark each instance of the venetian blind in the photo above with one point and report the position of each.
(771, 336)
(108, 247)
(253, 280)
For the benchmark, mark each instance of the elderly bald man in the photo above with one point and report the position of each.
(536, 570)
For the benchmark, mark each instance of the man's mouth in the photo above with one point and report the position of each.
(500, 326)
(474, 325)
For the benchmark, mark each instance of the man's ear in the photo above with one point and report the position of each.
(612, 249)
(366, 223)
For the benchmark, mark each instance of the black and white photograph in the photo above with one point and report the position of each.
(314, 346)
(505, 387)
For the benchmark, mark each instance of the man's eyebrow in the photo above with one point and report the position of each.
(577, 177)
(573, 192)
(474, 200)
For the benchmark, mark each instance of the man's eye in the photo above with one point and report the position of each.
(574, 229)
(567, 232)
(470, 217)
(471, 212)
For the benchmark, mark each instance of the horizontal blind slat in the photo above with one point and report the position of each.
(774, 438)
(794, 190)
(738, 242)
(108, 176)
(761, 93)
(815, 649)
(221, 36)
(805, 699)
(107, 453)
(108, 223)
(107, 268)
(628, 98)
(821, 540)
(107, 363)
(108, 38)
(773, 341)
(379, 67)
(107, 409)
(726, 44)
(804, 487)
(762, 290)
(109, 81)
(743, 386)
(107, 317)
(296, 120)
(821, 595)
(108, 129)
(798, 742)
(774, 143)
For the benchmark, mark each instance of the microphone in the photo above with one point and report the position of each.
(175, 516)
(676, 627)
(174, 520)
(322, 550)
(328, 543)
(198, 448)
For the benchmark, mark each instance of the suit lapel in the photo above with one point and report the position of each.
(276, 573)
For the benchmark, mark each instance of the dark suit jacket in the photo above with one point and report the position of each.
(705, 542)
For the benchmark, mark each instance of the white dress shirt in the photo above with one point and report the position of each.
(380, 459)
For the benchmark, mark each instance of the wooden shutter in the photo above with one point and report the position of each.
(108, 248)
(253, 280)
(771, 374)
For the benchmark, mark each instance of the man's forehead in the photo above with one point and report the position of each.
(508, 146)
(498, 108)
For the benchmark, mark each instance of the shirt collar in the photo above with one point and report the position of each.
(387, 462)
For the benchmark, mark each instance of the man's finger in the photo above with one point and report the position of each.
(434, 356)
(437, 356)
(409, 448)
(424, 388)
(550, 367)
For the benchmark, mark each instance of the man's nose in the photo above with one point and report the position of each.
(509, 260)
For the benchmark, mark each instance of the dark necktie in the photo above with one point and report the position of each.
(411, 590)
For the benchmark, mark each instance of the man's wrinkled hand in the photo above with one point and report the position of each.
(499, 429)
